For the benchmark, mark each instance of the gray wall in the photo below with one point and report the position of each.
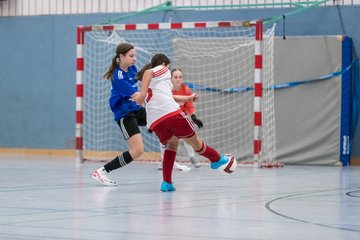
(37, 66)
(308, 116)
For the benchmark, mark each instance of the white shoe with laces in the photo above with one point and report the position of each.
(100, 175)
(180, 167)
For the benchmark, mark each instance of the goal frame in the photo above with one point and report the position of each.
(258, 70)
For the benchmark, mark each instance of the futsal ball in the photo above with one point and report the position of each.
(229, 167)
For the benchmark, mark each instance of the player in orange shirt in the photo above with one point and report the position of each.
(179, 88)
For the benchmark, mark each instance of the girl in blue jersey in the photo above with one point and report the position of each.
(127, 114)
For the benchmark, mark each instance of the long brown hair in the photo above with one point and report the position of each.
(122, 48)
(156, 60)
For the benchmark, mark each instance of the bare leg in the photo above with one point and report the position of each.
(136, 146)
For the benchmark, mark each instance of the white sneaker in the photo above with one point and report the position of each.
(180, 167)
(195, 162)
(100, 175)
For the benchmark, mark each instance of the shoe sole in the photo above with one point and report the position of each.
(184, 170)
(171, 190)
(197, 165)
(95, 177)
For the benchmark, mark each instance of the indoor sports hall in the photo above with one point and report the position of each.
(278, 96)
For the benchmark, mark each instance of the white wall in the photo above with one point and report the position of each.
(50, 7)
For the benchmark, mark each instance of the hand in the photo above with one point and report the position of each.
(138, 98)
(193, 97)
(197, 121)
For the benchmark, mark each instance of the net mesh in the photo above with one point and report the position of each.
(217, 63)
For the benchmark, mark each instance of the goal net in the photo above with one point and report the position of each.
(224, 62)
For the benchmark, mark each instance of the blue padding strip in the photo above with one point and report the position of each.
(355, 96)
(345, 128)
(276, 86)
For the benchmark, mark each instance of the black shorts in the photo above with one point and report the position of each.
(129, 125)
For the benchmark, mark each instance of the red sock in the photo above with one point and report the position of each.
(168, 164)
(209, 153)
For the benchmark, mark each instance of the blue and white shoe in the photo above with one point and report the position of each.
(167, 187)
(223, 160)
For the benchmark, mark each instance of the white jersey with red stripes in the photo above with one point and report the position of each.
(160, 103)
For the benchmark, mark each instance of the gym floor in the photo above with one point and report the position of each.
(49, 198)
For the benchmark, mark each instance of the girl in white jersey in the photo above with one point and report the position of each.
(165, 118)
(180, 88)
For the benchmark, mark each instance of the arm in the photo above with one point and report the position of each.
(191, 98)
(197, 121)
(146, 79)
(190, 109)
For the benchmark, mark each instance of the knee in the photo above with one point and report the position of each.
(137, 151)
(172, 145)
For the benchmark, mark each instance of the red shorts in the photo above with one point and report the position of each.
(178, 125)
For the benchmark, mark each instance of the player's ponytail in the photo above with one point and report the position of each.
(140, 74)
(109, 73)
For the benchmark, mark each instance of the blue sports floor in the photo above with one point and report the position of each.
(48, 198)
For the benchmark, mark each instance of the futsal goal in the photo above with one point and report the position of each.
(228, 63)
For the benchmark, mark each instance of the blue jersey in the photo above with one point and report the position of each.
(123, 86)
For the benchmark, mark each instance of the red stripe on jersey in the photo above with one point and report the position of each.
(153, 125)
(191, 123)
(160, 72)
(149, 95)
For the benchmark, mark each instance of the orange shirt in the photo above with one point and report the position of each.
(186, 107)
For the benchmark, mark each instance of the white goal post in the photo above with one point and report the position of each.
(228, 63)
